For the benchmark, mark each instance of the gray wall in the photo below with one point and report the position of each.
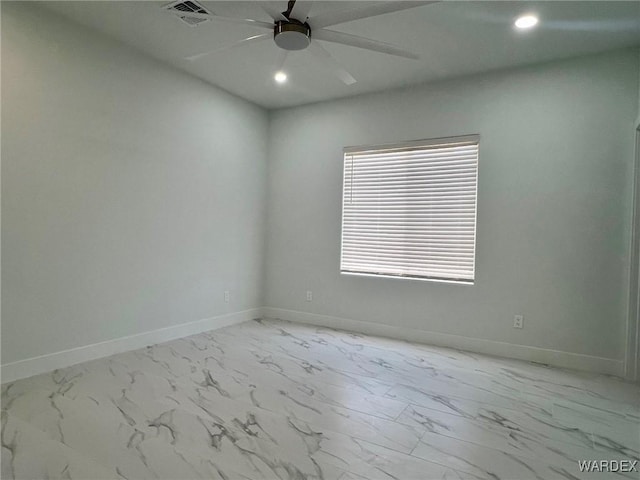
(554, 198)
(133, 195)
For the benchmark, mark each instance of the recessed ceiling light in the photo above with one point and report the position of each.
(526, 21)
(280, 77)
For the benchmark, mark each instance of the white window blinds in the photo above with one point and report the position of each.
(410, 210)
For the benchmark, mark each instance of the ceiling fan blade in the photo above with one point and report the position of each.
(273, 11)
(282, 57)
(331, 63)
(334, 18)
(361, 42)
(300, 10)
(244, 21)
(244, 41)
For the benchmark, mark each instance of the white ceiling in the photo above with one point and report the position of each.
(452, 39)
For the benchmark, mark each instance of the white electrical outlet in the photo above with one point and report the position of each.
(309, 296)
(518, 321)
(227, 296)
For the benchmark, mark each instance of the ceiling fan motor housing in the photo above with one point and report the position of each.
(292, 35)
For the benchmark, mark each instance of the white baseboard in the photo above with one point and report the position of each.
(46, 363)
(556, 358)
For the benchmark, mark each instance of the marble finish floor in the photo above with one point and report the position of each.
(268, 399)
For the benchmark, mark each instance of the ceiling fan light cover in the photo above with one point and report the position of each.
(291, 35)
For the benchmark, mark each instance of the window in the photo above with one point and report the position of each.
(410, 210)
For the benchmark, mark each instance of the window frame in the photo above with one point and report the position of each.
(408, 145)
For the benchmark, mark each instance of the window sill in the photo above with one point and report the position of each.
(420, 279)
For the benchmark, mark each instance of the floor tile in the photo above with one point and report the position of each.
(276, 400)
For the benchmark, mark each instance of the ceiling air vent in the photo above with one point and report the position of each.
(184, 8)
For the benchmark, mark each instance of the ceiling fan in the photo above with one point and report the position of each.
(293, 29)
